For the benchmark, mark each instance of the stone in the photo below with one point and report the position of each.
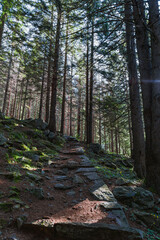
(33, 176)
(81, 231)
(111, 205)
(3, 140)
(109, 164)
(122, 181)
(95, 148)
(102, 193)
(119, 216)
(62, 186)
(72, 164)
(70, 138)
(92, 169)
(51, 136)
(46, 132)
(78, 180)
(60, 178)
(142, 198)
(92, 176)
(71, 193)
(35, 157)
(150, 219)
(38, 192)
(39, 124)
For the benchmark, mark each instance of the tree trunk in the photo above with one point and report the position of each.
(15, 95)
(136, 116)
(153, 163)
(7, 82)
(90, 118)
(2, 22)
(64, 83)
(87, 89)
(79, 109)
(49, 71)
(25, 98)
(42, 89)
(52, 121)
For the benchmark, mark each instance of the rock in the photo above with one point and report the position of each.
(34, 177)
(123, 181)
(85, 161)
(101, 192)
(109, 164)
(72, 165)
(119, 216)
(38, 192)
(3, 140)
(35, 157)
(81, 231)
(78, 180)
(39, 124)
(92, 169)
(92, 176)
(51, 136)
(71, 193)
(60, 178)
(49, 197)
(111, 205)
(62, 186)
(95, 148)
(6, 206)
(134, 196)
(70, 138)
(47, 132)
(150, 219)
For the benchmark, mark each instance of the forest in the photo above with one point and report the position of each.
(80, 80)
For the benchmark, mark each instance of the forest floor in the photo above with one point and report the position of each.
(44, 182)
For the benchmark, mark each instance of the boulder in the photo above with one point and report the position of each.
(134, 196)
(95, 148)
(80, 231)
(39, 124)
(150, 219)
(51, 136)
(3, 140)
(78, 180)
(38, 192)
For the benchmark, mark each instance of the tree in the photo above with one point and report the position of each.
(136, 116)
(52, 121)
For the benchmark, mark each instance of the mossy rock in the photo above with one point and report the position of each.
(6, 206)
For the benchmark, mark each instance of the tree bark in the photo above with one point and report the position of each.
(49, 71)
(90, 118)
(7, 82)
(153, 163)
(52, 121)
(64, 83)
(25, 98)
(42, 89)
(136, 116)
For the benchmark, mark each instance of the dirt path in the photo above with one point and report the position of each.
(70, 191)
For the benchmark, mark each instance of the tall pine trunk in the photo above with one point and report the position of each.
(153, 163)
(136, 116)
(42, 88)
(7, 82)
(52, 121)
(64, 83)
(90, 118)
